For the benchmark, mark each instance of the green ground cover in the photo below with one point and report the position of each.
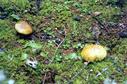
(61, 29)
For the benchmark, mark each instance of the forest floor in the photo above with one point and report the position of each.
(61, 29)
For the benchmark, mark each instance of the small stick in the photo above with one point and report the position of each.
(44, 79)
(57, 49)
(99, 22)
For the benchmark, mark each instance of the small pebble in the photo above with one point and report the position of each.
(123, 34)
(58, 41)
(77, 18)
(3, 15)
(46, 36)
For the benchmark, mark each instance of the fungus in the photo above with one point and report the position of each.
(23, 28)
(93, 52)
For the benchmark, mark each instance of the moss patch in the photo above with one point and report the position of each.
(56, 31)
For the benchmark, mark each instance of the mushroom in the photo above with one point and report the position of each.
(93, 52)
(23, 27)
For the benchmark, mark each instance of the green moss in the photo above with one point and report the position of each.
(58, 14)
(7, 32)
(22, 4)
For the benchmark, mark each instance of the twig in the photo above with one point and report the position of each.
(101, 24)
(44, 79)
(57, 50)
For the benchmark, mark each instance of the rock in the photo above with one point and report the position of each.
(77, 18)
(123, 34)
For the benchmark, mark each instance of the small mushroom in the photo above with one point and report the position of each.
(93, 52)
(23, 28)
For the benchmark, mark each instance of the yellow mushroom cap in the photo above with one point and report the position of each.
(93, 52)
(23, 27)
